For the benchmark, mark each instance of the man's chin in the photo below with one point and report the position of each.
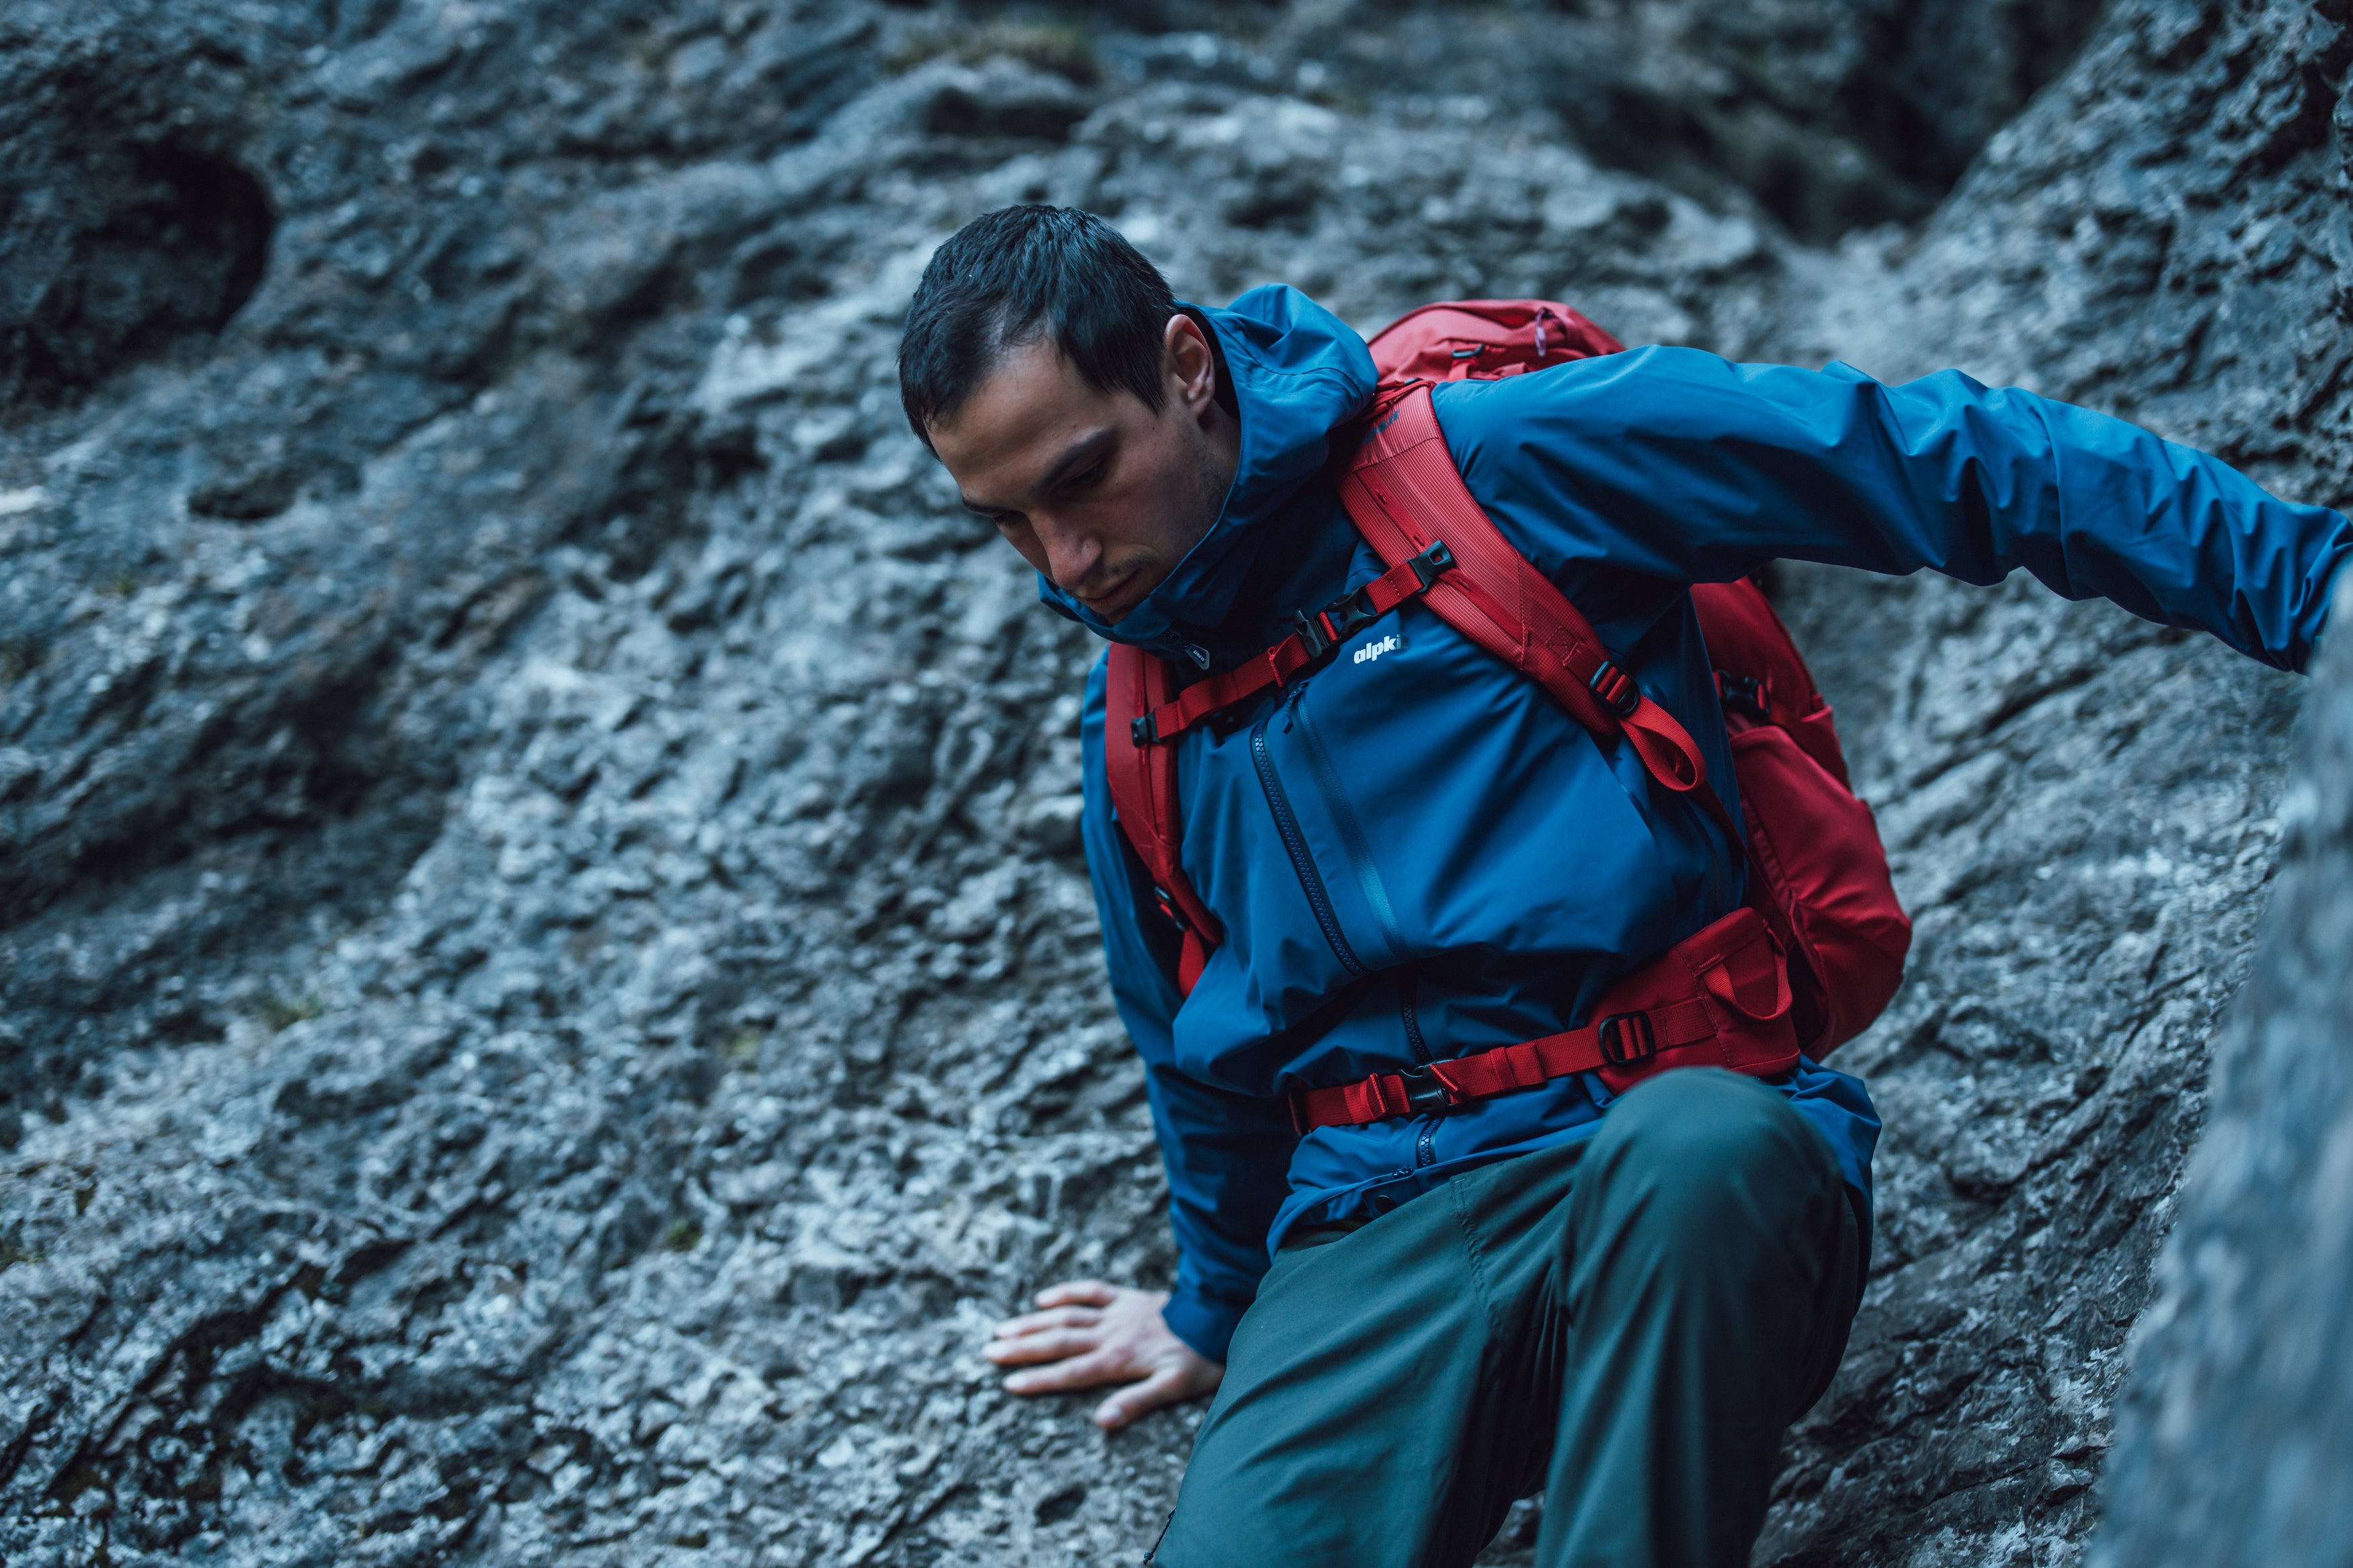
(1113, 606)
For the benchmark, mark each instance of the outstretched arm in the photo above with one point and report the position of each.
(1676, 463)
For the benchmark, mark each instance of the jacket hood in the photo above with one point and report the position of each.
(1296, 371)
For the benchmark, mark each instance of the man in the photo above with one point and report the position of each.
(1622, 1299)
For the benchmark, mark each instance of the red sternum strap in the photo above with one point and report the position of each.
(1408, 579)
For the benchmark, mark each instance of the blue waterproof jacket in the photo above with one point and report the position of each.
(1418, 855)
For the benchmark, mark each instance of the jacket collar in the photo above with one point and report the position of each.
(1296, 371)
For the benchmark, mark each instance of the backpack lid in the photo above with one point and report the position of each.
(1456, 339)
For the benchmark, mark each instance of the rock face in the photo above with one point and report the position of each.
(546, 993)
(2234, 1447)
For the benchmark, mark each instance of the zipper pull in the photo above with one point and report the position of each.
(1195, 652)
(1291, 704)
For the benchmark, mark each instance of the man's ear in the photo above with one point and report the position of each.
(1187, 365)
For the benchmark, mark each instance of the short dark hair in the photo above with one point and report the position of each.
(1010, 276)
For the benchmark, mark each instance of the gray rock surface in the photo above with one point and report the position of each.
(2234, 1444)
(546, 993)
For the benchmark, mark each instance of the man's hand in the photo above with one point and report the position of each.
(1091, 1334)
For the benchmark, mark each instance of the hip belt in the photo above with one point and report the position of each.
(1720, 997)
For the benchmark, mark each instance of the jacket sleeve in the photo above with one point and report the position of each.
(1227, 1155)
(1676, 463)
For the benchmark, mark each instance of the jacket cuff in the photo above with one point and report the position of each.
(1204, 1322)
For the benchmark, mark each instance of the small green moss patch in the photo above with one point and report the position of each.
(278, 1012)
(19, 657)
(1062, 48)
(13, 1249)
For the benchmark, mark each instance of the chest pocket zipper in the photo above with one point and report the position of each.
(1353, 837)
(1302, 860)
(1310, 880)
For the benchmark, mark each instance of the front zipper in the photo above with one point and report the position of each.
(1303, 860)
(1408, 983)
(1425, 1152)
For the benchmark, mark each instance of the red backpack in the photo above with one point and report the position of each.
(1819, 951)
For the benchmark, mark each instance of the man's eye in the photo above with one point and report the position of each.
(1087, 479)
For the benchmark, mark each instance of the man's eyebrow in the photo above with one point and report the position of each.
(1086, 446)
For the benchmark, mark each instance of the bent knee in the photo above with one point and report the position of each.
(1698, 1136)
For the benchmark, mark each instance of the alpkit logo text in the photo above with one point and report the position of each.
(1377, 646)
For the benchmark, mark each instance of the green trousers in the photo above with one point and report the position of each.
(1629, 1323)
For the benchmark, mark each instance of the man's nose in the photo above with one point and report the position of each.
(1071, 553)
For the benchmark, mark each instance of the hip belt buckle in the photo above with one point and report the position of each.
(1424, 1095)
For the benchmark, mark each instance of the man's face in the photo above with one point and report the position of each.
(1102, 494)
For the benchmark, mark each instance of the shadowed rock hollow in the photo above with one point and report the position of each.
(547, 996)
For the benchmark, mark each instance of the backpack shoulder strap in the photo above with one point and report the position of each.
(1407, 498)
(1404, 492)
(1142, 779)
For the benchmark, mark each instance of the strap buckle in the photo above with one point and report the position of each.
(1168, 907)
(1144, 731)
(1616, 689)
(1424, 1095)
(1744, 693)
(1336, 621)
(1627, 1038)
(1428, 565)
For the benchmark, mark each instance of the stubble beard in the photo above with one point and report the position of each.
(1210, 488)
(1204, 504)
